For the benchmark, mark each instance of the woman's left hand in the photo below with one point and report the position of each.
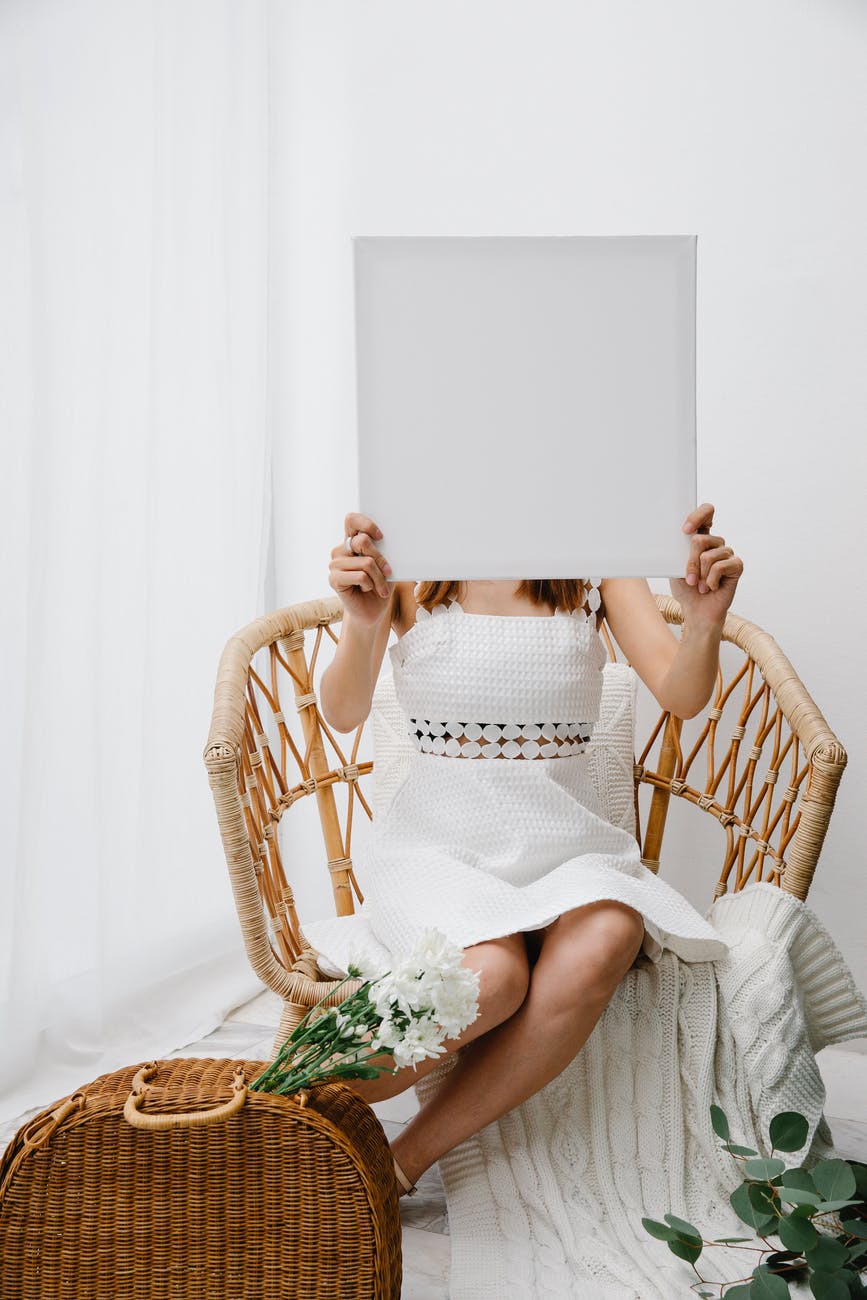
(712, 571)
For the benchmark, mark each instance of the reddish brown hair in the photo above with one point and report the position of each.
(561, 593)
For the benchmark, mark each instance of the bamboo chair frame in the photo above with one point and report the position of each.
(255, 779)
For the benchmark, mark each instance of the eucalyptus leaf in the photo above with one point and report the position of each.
(744, 1209)
(827, 1207)
(825, 1286)
(765, 1168)
(834, 1179)
(799, 1177)
(741, 1291)
(719, 1123)
(855, 1227)
(659, 1230)
(762, 1198)
(768, 1286)
(797, 1195)
(827, 1255)
(735, 1150)
(684, 1250)
(796, 1232)
(788, 1131)
(783, 1261)
(686, 1230)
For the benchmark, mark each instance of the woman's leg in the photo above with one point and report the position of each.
(583, 957)
(504, 977)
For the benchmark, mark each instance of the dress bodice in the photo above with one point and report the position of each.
(510, 685)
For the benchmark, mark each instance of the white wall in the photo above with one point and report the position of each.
(744, 124)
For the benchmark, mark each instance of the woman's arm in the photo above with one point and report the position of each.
(370, 604)
(346, 686)
(680, 673)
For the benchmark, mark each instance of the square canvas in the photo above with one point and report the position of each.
(526, 405)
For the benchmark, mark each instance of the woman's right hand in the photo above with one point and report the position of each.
(360, 579)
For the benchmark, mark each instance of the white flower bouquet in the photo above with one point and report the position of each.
(426, 997)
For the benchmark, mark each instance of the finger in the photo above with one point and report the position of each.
(700, 519)
(363, 545)
(368, 564)
(722, 571)
(357, 523)
(710, 556)
(699, 544)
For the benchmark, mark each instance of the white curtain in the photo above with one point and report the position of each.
(135, 503)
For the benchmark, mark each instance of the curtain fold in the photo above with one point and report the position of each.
(135, 497)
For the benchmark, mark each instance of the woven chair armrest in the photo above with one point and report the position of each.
(227, 717)
(798, 707)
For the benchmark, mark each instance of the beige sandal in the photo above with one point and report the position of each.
(408, 1187)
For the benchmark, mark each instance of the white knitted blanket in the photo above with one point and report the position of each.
(546, 1203)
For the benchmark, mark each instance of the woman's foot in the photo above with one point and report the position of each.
(406, 1186)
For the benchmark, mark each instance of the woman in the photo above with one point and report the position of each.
(514, 860)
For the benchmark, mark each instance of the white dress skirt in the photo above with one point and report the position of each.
(496, 827)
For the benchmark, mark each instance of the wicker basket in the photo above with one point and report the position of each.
(131, 1187)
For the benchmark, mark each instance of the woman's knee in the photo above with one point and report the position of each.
(600, 939)
(504, 975)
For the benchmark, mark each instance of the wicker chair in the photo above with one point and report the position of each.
(769, 833)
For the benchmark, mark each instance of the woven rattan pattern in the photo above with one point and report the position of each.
(279, 1200)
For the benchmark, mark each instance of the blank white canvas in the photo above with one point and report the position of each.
(526, 404)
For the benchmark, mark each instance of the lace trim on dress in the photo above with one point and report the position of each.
(502, 739)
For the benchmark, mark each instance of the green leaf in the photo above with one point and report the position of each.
(744, 1209)
(827, 1255)
(797, 1195)
(764, 1168)
(855, 1228)
(735, 1150)
(825, 1286)
(741, 1291)
(684, 1250)
(788, 1131)
(729, 1241)
(768, 1286)
(685, 1229)
(796, 1232)
(857, 1251)
(834, 1179)
(719, 1123)
(799, 1177)
(762, 1198)
(660, 1230)
(826, 1207)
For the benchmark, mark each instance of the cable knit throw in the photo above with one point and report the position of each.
(546, 1203)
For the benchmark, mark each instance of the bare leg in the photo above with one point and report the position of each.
(503, 981)
(584, 955)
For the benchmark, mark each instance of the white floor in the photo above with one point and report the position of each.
(248, 1032)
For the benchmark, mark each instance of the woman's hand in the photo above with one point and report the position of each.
(360, 579)
(712, 572)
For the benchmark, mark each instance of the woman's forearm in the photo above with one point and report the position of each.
(347, 684)
(689, 682)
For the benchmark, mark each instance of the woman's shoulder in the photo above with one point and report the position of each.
(403, 607)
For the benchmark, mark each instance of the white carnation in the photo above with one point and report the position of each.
(368, 966)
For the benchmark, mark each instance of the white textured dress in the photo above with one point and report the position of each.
(496, 827)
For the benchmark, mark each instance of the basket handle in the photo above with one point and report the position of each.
(180, 1119)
